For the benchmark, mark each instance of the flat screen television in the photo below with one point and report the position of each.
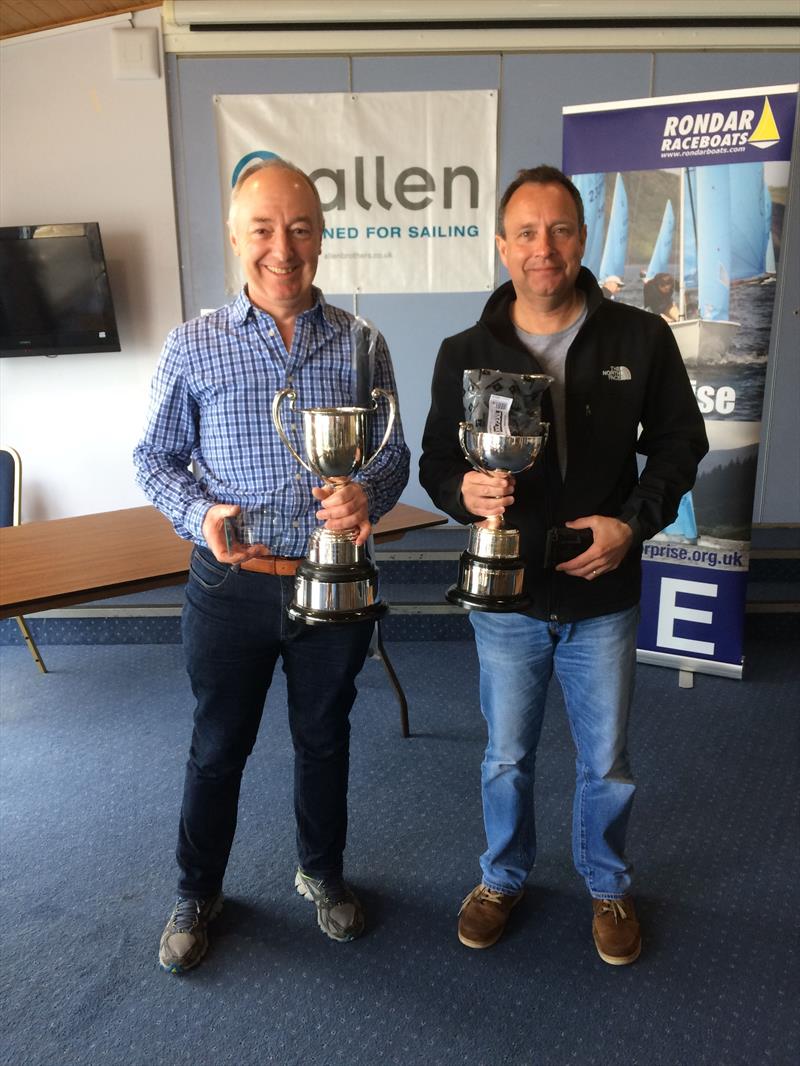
(54, 293)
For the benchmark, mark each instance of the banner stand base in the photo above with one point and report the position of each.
(689, 666)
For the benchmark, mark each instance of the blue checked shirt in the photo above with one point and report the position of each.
(210, 406)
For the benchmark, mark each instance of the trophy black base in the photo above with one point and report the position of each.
(313, 617)
(493, 585)
(329, 594)
(490, 604)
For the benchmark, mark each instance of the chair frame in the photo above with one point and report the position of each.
(16, 519)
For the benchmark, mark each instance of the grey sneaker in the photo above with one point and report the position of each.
(339, 913)
(184, 941)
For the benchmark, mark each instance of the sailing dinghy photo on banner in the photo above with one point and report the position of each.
(685, 199)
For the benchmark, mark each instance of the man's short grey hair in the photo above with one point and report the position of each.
(267, 164)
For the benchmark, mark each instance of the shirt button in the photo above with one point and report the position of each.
(298, 477)
(295, 524)
(271, 333)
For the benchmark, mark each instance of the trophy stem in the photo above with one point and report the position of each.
(337, 483)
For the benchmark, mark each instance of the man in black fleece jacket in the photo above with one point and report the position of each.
(620, 387)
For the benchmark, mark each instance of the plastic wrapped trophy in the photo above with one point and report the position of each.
(337, 582)
(503, 434)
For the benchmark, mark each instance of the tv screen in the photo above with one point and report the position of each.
(54, 292)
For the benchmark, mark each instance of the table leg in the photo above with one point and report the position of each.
(378, 651)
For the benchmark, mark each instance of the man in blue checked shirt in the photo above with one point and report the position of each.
(210, 407)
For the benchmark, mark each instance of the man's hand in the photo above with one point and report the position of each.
(612, 539)
(214, 536)
(487, 494)
(344, 508)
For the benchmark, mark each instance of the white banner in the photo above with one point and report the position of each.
(407, 182)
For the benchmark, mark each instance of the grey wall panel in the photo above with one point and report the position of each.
(687, 72)
(778, 480)
(414, 327)
(426, 73)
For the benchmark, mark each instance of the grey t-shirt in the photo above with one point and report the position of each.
(550, 352)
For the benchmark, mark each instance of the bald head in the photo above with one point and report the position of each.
(272, 164)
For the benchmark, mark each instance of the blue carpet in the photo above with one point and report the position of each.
(92, 769)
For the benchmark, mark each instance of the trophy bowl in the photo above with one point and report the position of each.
(498, 452)
(334, 441)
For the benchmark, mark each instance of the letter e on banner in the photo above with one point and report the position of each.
(670, 611)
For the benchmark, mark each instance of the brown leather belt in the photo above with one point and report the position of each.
(274, 564)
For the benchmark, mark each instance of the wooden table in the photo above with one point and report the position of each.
(65, 561)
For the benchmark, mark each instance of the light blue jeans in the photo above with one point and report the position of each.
(594, 661)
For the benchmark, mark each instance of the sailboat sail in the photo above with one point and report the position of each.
(592, 188)
(616, 246)
(770, 266)
(714, 243)
(766, 132)
(661, 258)
(684, 528)
(769, 246)
(748, 225)
(704, 332)
(689, 271)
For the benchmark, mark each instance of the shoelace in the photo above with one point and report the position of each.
(331, 892)
(483, 895)
(335, 893)
(185, 916)
(614, 906)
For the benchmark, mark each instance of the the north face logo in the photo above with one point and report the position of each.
(617, 373)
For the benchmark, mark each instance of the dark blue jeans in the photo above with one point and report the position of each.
(235, 628)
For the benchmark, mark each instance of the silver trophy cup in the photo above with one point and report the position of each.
(336, 582)
(490, 574)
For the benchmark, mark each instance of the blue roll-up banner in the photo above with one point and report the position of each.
(685, 206)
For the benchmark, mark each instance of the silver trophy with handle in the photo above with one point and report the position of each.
(504, 435)
(337, 581)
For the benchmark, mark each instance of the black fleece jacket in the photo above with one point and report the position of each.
(627, 391)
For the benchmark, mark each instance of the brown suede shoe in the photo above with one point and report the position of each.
(483, 916)
(615, 929)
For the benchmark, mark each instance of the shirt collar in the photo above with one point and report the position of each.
(319, 314)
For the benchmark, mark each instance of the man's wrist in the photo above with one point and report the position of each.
(196, 516)
(370, 495)
(633, 524)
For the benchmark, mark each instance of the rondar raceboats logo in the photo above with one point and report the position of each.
(719, 132)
